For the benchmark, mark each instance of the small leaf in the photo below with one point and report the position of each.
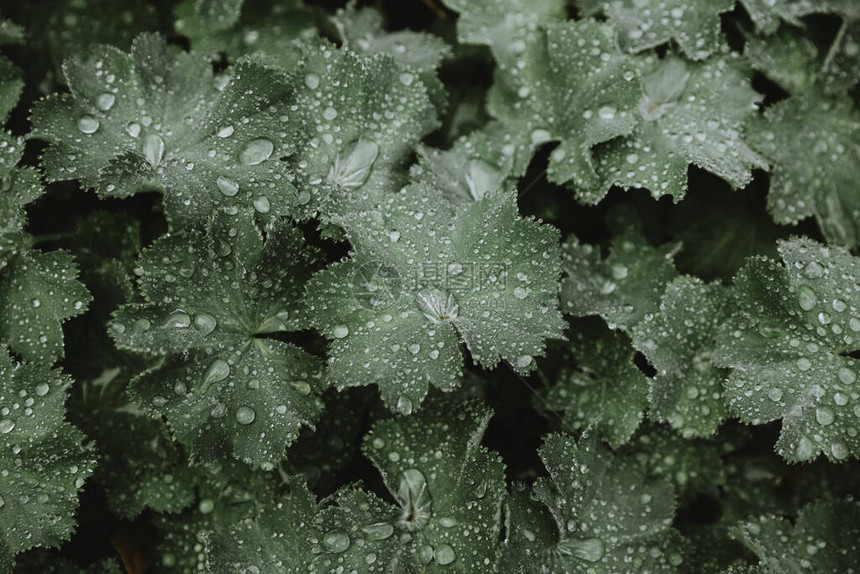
(44, 463)
(622, 287)
(605, 388)
(644, 24)
(605, 513)
(823, 539)
(680, 340)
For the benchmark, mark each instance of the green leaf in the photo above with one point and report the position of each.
(679, 340)
(789, 346)
(580, 90)
(229, 493)
(504, 26)
(157, 119)
(59, 29)
(278, 540)
(356, 141)
(44, 463)
(481, 163)
(688, 114)
(11, 33)
(788, 58)
(840, 69)
(643, 24)
(447, 492)
(421, 54)
(150, 471)
(604, 388)
(38, 291)
(218, 14)
(215, 300)
(11, 85)
(823, 539)
(693, 466)
(608, 516)
(813, 143)
(621, 287)
(422, 279)
(264, 27)
(18, 188)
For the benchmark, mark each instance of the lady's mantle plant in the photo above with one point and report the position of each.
(467, 286)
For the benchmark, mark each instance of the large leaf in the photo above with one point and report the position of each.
(214, 302)
(423, 279)
(157, 119)
(789, 346)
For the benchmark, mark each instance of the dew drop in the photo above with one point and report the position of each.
(378, 531)
(245, 415)
(404, 406)
(340, 331)
(335, 541)
(590, 549)
(301, 387)
(846, 375)
(813, 270)
(206, 506)
(774, 394)
(6, 426)
(806, 297)
(178, 320)
(225, 132)
(524, 361)
(445, 554)
(839, 450)
(257, 151)
(606, 112)
(425, 554)
(105, 101)
(133, 129)
(312, 81)
(42, 389)
(228, 187)
(406, 78)
(261, 204)
(217, 372)
(520, 293)
(205, 323)
(88, 124)
(153, 149)
(824, 416)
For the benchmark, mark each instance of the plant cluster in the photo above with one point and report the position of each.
(465, 286)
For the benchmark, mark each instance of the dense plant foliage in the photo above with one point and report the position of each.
(466, 286)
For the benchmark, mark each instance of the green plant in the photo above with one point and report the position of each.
(485, 286)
